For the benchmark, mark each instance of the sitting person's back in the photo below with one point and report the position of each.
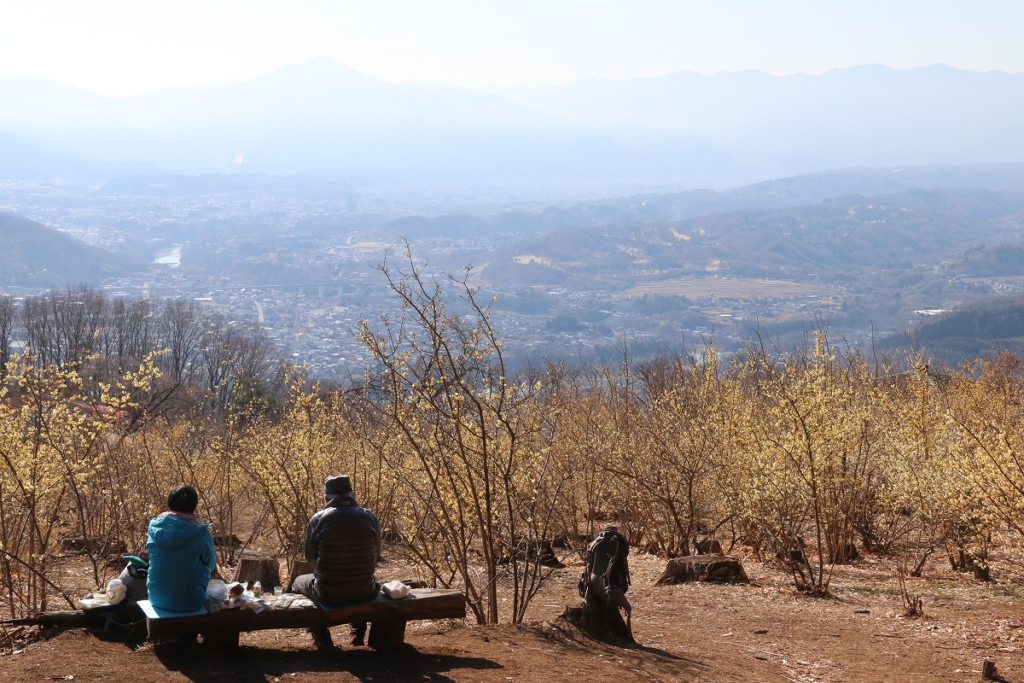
(181, 555)
(342, 543)
(344, 539)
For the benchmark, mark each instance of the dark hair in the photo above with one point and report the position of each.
(183, 499)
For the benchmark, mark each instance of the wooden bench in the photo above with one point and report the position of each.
(387, 618)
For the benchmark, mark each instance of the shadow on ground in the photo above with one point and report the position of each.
(652, 661)
(258, 665)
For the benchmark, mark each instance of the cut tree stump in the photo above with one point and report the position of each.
(723, 568)
(253, 568)
(602, 621)
(846, 554)
(298, 568)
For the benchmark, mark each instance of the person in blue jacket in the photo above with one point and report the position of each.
(181, 555)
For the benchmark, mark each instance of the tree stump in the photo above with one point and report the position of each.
(845, 554)
(298, 568)
(253, 568)
(721, 568)
(600, 620)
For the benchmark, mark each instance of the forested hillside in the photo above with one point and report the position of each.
(34, 255)
(968, 332)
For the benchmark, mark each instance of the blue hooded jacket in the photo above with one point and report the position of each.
(181, 558)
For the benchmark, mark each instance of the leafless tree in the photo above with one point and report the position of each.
(127, 334)
(180, 332)
(8, 320)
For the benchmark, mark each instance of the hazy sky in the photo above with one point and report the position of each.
(131, 46)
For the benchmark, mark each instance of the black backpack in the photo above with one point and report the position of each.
(607, 565)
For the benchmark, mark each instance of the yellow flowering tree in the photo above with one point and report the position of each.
(986, 405)
(809, 447)
(287, 455)
(58, 454)
(680, 465)
(584, 439)
(472, 462)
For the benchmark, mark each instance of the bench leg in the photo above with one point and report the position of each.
(385, 634)
(221, 638)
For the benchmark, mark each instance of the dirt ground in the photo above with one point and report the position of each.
(696, 632)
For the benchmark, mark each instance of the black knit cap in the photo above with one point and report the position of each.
(337, 485)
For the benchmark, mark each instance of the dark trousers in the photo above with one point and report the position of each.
(305, 585)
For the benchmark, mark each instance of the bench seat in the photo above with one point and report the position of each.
(387, 618)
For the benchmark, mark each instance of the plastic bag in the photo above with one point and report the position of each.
(116, 591)
(216, 594)
(254, 604)
(94, 601)
(217, 590)
(395, 590)
(235, 593)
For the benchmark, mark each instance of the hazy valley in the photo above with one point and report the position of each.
(866, 253)
(585, 208)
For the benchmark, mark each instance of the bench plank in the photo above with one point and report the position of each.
(386, 616)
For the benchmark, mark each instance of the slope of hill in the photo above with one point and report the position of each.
(22, 160)
(843, 234)
(867, 263)
(33, 255)
(967, 332)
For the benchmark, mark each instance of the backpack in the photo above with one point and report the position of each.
(607, 565)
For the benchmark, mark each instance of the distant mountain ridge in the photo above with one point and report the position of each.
(684, 129)
(865, 115)
(783, 193)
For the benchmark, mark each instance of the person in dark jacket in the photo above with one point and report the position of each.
(181, 555)
(343, 544)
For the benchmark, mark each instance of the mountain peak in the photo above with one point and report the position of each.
(321, 69)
